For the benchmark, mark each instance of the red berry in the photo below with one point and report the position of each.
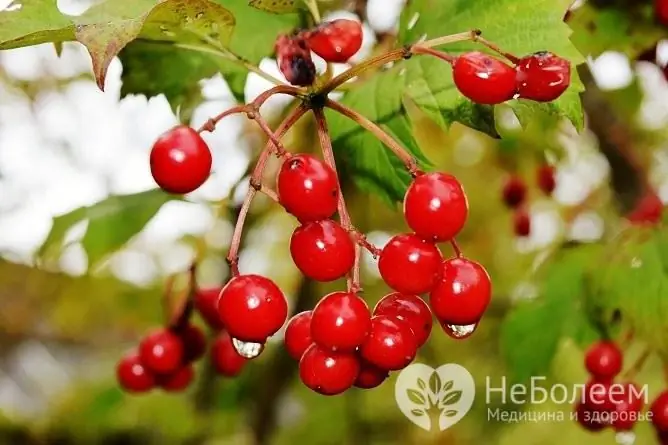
(522, 223)
(409, 264)
(390, 345)
(598, 396)
(206, 303)
(224, 356)
(627, 408)
(322, 250)
(194, 342)
(293, 58)
(543, 76)
(308, 188)
(162, 351)
(484, 79)
(604, 360)
(340, 321)
(327, 372)
(180, 160)
(648, 210)
(133, 376)
(546, 179)
(298, 334)
(409, 309)
(370, 376)
(586, 419)
(662, 437)
(252, 308)
(462, 294)
(514, 192)
(336, 41)
(659, 410)
(661, 9)
(435, 206)
(177, 381)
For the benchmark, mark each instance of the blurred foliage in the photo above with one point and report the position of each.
(549, 302)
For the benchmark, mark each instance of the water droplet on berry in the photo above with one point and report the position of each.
(625, 438)
(247, 349)
(460, 332)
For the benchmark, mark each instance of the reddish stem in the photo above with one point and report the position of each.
(181, 316)
(210, 124)
(328, 155)
(408, 159)
(434, 52)
(361, 239)
(256, 185)
(496, 49)
(455, 247)
(637, 366)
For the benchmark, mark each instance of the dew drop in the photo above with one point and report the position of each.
(625, 438)
(247, 349)
(460, 332)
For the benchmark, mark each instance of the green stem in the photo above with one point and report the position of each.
(312, 6)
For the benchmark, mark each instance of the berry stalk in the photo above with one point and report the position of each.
(256, 185)
(328, 154)
(408, 160)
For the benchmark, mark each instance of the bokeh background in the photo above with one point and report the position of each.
(65, 145)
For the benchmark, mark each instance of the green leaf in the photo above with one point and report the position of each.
(598, 30)
(435, 383)
(416, 397)
(427, 82)
(447, 386)
(37, 21)
(451, 398)
(111, 223)
(450, 413)
(421, 384)
(531, 333)
(418, 412)
(276, 6)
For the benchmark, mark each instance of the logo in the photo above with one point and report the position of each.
(428, 396)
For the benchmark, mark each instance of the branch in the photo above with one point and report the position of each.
(408, 159)
(256, 185)
(328, 155)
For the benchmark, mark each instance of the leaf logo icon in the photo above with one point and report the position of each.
(428, 396)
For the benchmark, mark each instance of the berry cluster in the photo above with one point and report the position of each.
(606, 403)
(340, 343)
(335, 41)
(514, 195)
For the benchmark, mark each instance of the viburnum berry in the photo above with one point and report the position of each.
(543, 76)
(409, 309)
(133, 376)
(435, 206)
(336, 41)
(648, 211)
(322, 250)
(522, 223)
(298, 334)
(194, 342)
(178, 380)
(659, 410)
(462, 294)
(514, 192)
(661, 10)
(252, 308)
(293, 58)
(206, 303)
(585, 417)
(162, 351)
(224, 356)
(340, 321)
(327, 372)
(597, 396)
(627, 408)
(604, 360)
(370, 376)
(546, 178)
(410, 264)
(307, 188)
(180, 160)
(484, 79)
(391, 344)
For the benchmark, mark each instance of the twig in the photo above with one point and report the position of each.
(637, 366)
(435, 53)
(328, 155)
(256, 185)
(362, 240)
(455, 247)
(408, 160)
